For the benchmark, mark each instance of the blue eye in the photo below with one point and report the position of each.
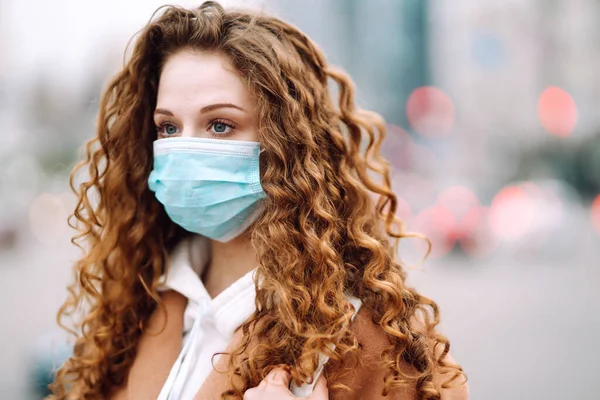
(167, 129)
(170, 129)
(220, 127)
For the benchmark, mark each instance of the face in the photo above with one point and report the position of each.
(201, 95)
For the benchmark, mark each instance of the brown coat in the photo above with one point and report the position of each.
(367, 383)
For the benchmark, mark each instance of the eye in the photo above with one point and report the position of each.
(166, 129)
(170, 129)
(220, 128)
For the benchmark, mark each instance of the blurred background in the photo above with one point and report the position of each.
(493, 136)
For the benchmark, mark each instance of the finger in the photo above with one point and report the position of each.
(320, 392)
(278, 376)
(251, 394)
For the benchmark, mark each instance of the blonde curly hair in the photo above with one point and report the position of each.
(329, 227)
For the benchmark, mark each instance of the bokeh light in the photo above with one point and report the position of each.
(596, 214)
(557, 111)
(548, 216)
(440, 227)
(399, 148)
(476, 237)
(48, 218)
(458, 200)
(430, 111)
(512, 213)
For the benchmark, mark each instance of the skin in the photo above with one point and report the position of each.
(201, 95)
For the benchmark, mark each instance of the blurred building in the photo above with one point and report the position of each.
(495, 59)
(382, 44)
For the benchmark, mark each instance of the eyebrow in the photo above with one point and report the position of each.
(205, 109)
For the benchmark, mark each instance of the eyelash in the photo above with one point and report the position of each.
(160, 128)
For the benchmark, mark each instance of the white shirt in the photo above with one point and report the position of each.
(209, 323)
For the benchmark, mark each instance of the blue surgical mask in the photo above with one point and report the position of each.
(208, 186)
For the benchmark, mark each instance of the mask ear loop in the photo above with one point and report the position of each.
(260, 152)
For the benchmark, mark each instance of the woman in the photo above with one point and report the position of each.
(231, 212)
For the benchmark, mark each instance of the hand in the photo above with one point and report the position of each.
(275, 387)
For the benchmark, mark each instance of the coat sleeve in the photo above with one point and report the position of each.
(367, 378)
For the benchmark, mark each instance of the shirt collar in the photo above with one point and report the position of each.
(235, 304)
(230, 308)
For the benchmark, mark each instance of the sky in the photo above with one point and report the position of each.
(64, 38)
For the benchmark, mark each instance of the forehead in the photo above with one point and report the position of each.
(197, 78)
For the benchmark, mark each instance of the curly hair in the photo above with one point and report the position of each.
(329, 227)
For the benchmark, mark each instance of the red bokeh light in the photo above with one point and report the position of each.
(512, 213)
(476, 238)
(440, 227)
(557, 112)
(458, 199)
(430, 111)
(596, 214)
